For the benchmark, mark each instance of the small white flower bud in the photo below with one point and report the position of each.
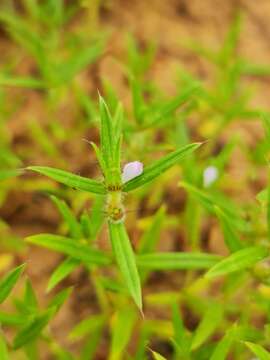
(132, 170)
(210, 175)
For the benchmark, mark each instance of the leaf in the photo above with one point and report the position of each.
(174, 261)
(172, 105)
(106, 132)
(3, 348)
(110, 139)
(223, 347)
(30, 299)
(159, 166)
(181, 340)
(122, 327)
(70, 247)
(24, 82)
(12, 319)
(71, 180)
(77, 62)
(31, 330)
(70, 219)
(62, 271)
(211, 319)
(240, 260)
(6, 174)
(230, 236)
(9, 281)
(58, 300)
(258, 350)
(125, 258)
(96, 217)
(151, 235)
(157, 356)
(87, 326)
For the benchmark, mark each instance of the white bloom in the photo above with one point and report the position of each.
(210, 175)
(132, 170)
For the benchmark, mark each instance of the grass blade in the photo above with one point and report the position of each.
(240, 260)
(69, 218)
(106, 132)
(177, 261)
(7, 174)
(223, 347)
(121, 331)
(12, 319)
(258, 350)
(9, 281)
(125, 258)
(3, 348)
(159, 166)
(157, 356)
(70, 247)
(211, 318)
(62, 271)
(69, 179)
(31, 330)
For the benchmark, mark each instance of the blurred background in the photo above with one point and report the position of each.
(55, 58)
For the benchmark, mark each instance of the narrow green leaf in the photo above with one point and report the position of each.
(125, 258)
(122, 327)
(181, 340)
(172, 105)
(223, 347)
(230, 236)
(62, 271)
(151, 235)
(3, 348)
(71, 180)
(100, 158)
(30, 299)
(12, 319)
(24, 82)
(58, 300)
(159, 166)
(77, 62)
(174, 261)
(211, 319)
(96, 217)
(69, 218)
(258, 351)
(70, 247)
(87, 326)
(240, 260)
(9, 281)
(31, 330)
(6, 174)
(157, 356)
(106, 132)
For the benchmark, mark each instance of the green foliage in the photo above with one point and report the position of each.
(9, 281)
(160, 166)
(240, 260)
(126, 261)
(69, 247)
(258, 350)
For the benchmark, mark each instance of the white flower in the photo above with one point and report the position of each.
(210, 175)
(132, 170)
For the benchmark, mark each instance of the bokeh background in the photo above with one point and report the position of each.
(48, 127)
